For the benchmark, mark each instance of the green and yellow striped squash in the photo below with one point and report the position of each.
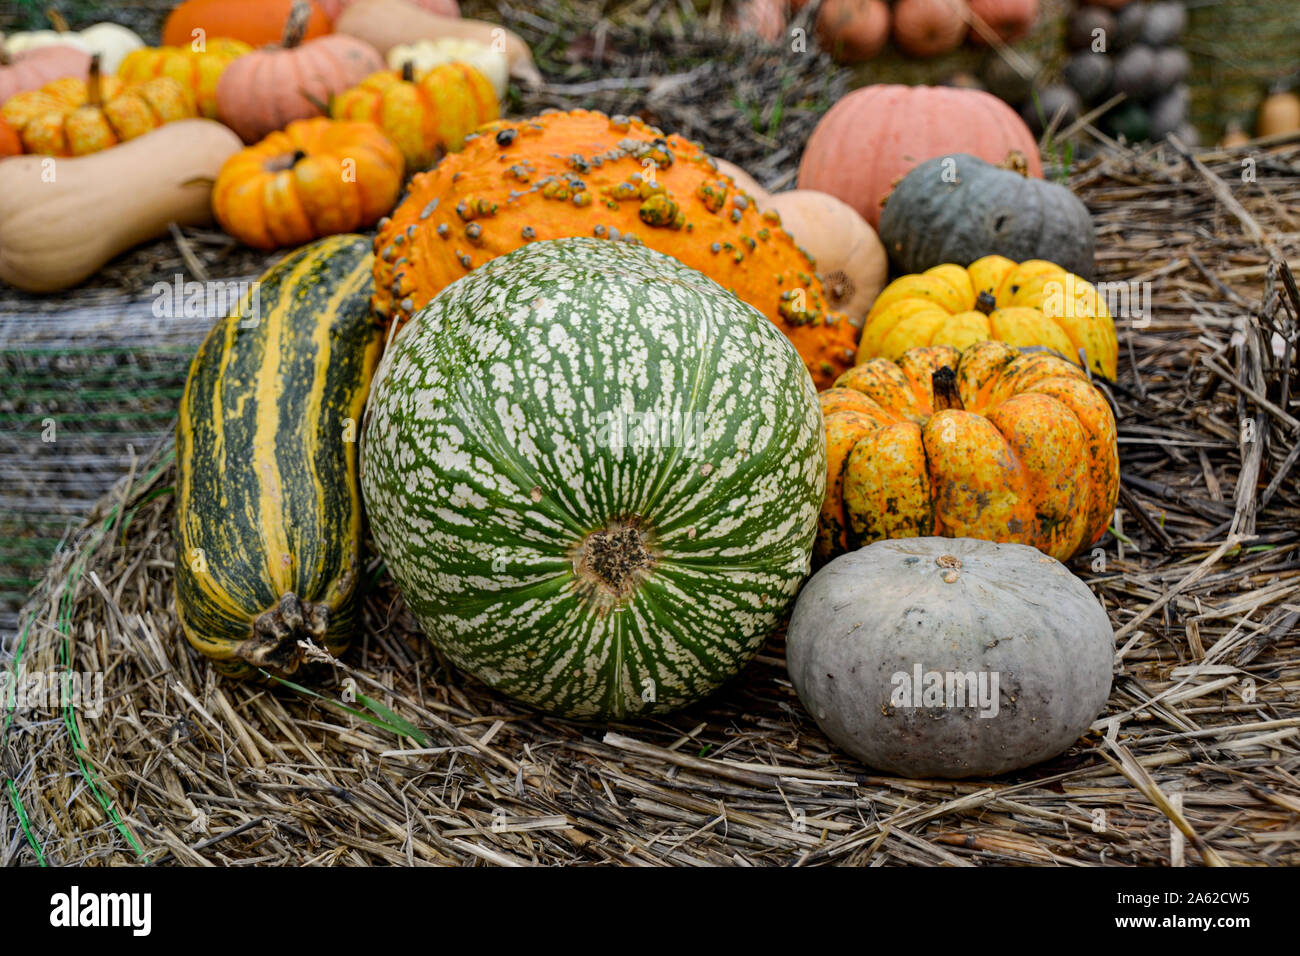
(549, 537)
(268, 510)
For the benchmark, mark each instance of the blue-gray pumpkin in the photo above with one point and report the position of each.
(959, 208)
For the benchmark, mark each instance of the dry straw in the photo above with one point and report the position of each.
(1194, 762)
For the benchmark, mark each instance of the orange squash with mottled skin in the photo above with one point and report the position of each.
(317, 177)
(425, 118)
(585, 174)
(1034, 303)
(987, 443)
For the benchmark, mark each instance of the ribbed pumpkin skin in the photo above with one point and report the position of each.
(959, 208)
(267, 502)
(265, 196)
(10, 144)
(1035, 304)
(516, 182)
(32, 69)
(266, 90)
(427, 118)
(877, 134)
(75, 117)
(197, 72)
(1030, 459)
(492, 485)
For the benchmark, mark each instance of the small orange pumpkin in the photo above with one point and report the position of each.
(986, 443)
(265, 90)
(1009, 20)
(72, 117)
(196, 70)
(317, 177)
(426, 118)
(853, 31)
(256, 22)
(926, 28)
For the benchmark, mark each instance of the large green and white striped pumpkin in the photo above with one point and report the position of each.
(562, 550)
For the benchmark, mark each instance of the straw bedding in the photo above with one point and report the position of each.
(1194, 762)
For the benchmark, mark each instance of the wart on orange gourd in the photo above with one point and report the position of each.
(585, 174)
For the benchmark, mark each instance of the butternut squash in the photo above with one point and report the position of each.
(61, 219)
(386, 23)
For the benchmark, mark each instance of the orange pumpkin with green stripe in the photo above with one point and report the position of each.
(987, 443)
(268, 511)
(1034, 303)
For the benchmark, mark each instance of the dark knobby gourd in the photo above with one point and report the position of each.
(1164, 23)
(942, 657)
(959, 208)
(1135, 72)
(268, 509)
(1055, 102)
(1171, 67)
(1088, 74)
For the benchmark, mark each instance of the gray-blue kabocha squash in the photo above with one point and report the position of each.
(950, 657)
(959, 208)
(595, 476)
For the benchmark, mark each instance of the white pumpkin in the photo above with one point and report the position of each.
(424, 55)
(111, 41)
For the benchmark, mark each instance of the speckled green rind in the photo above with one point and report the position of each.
(485, 464)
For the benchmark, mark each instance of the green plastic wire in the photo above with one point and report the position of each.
(79, 750)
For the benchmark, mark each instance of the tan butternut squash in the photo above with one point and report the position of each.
(386, 23)
(61, 219)
(847, 252)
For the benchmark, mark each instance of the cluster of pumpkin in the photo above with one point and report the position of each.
(331, 128)
(564, 265)
(854, 31)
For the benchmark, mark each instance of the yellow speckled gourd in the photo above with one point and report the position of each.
(585, 174)
(73, 117)
(425, 118)
(1029, 304)
(196, 70)
(986, 443)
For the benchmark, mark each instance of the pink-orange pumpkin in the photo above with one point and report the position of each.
(443, 8)
(32, 69)
(875, 135)
(1011, 20)
(266, 90)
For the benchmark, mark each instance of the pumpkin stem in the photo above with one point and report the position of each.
(610, 563)
(295, 26)
(56, 20)
(277, 631)
(1016, 163)
(985, 303)
(408, 71)
(946, 395)
(94, 89)
(280, 163)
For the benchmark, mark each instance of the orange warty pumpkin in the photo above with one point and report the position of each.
(197, 71)
(256, 22)
(929, 27)
(73, 117)
(317, 177)
(265, 90)
(852, 31)
(875, 135)
(986, 443)
(586, 174)
(426, 118)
